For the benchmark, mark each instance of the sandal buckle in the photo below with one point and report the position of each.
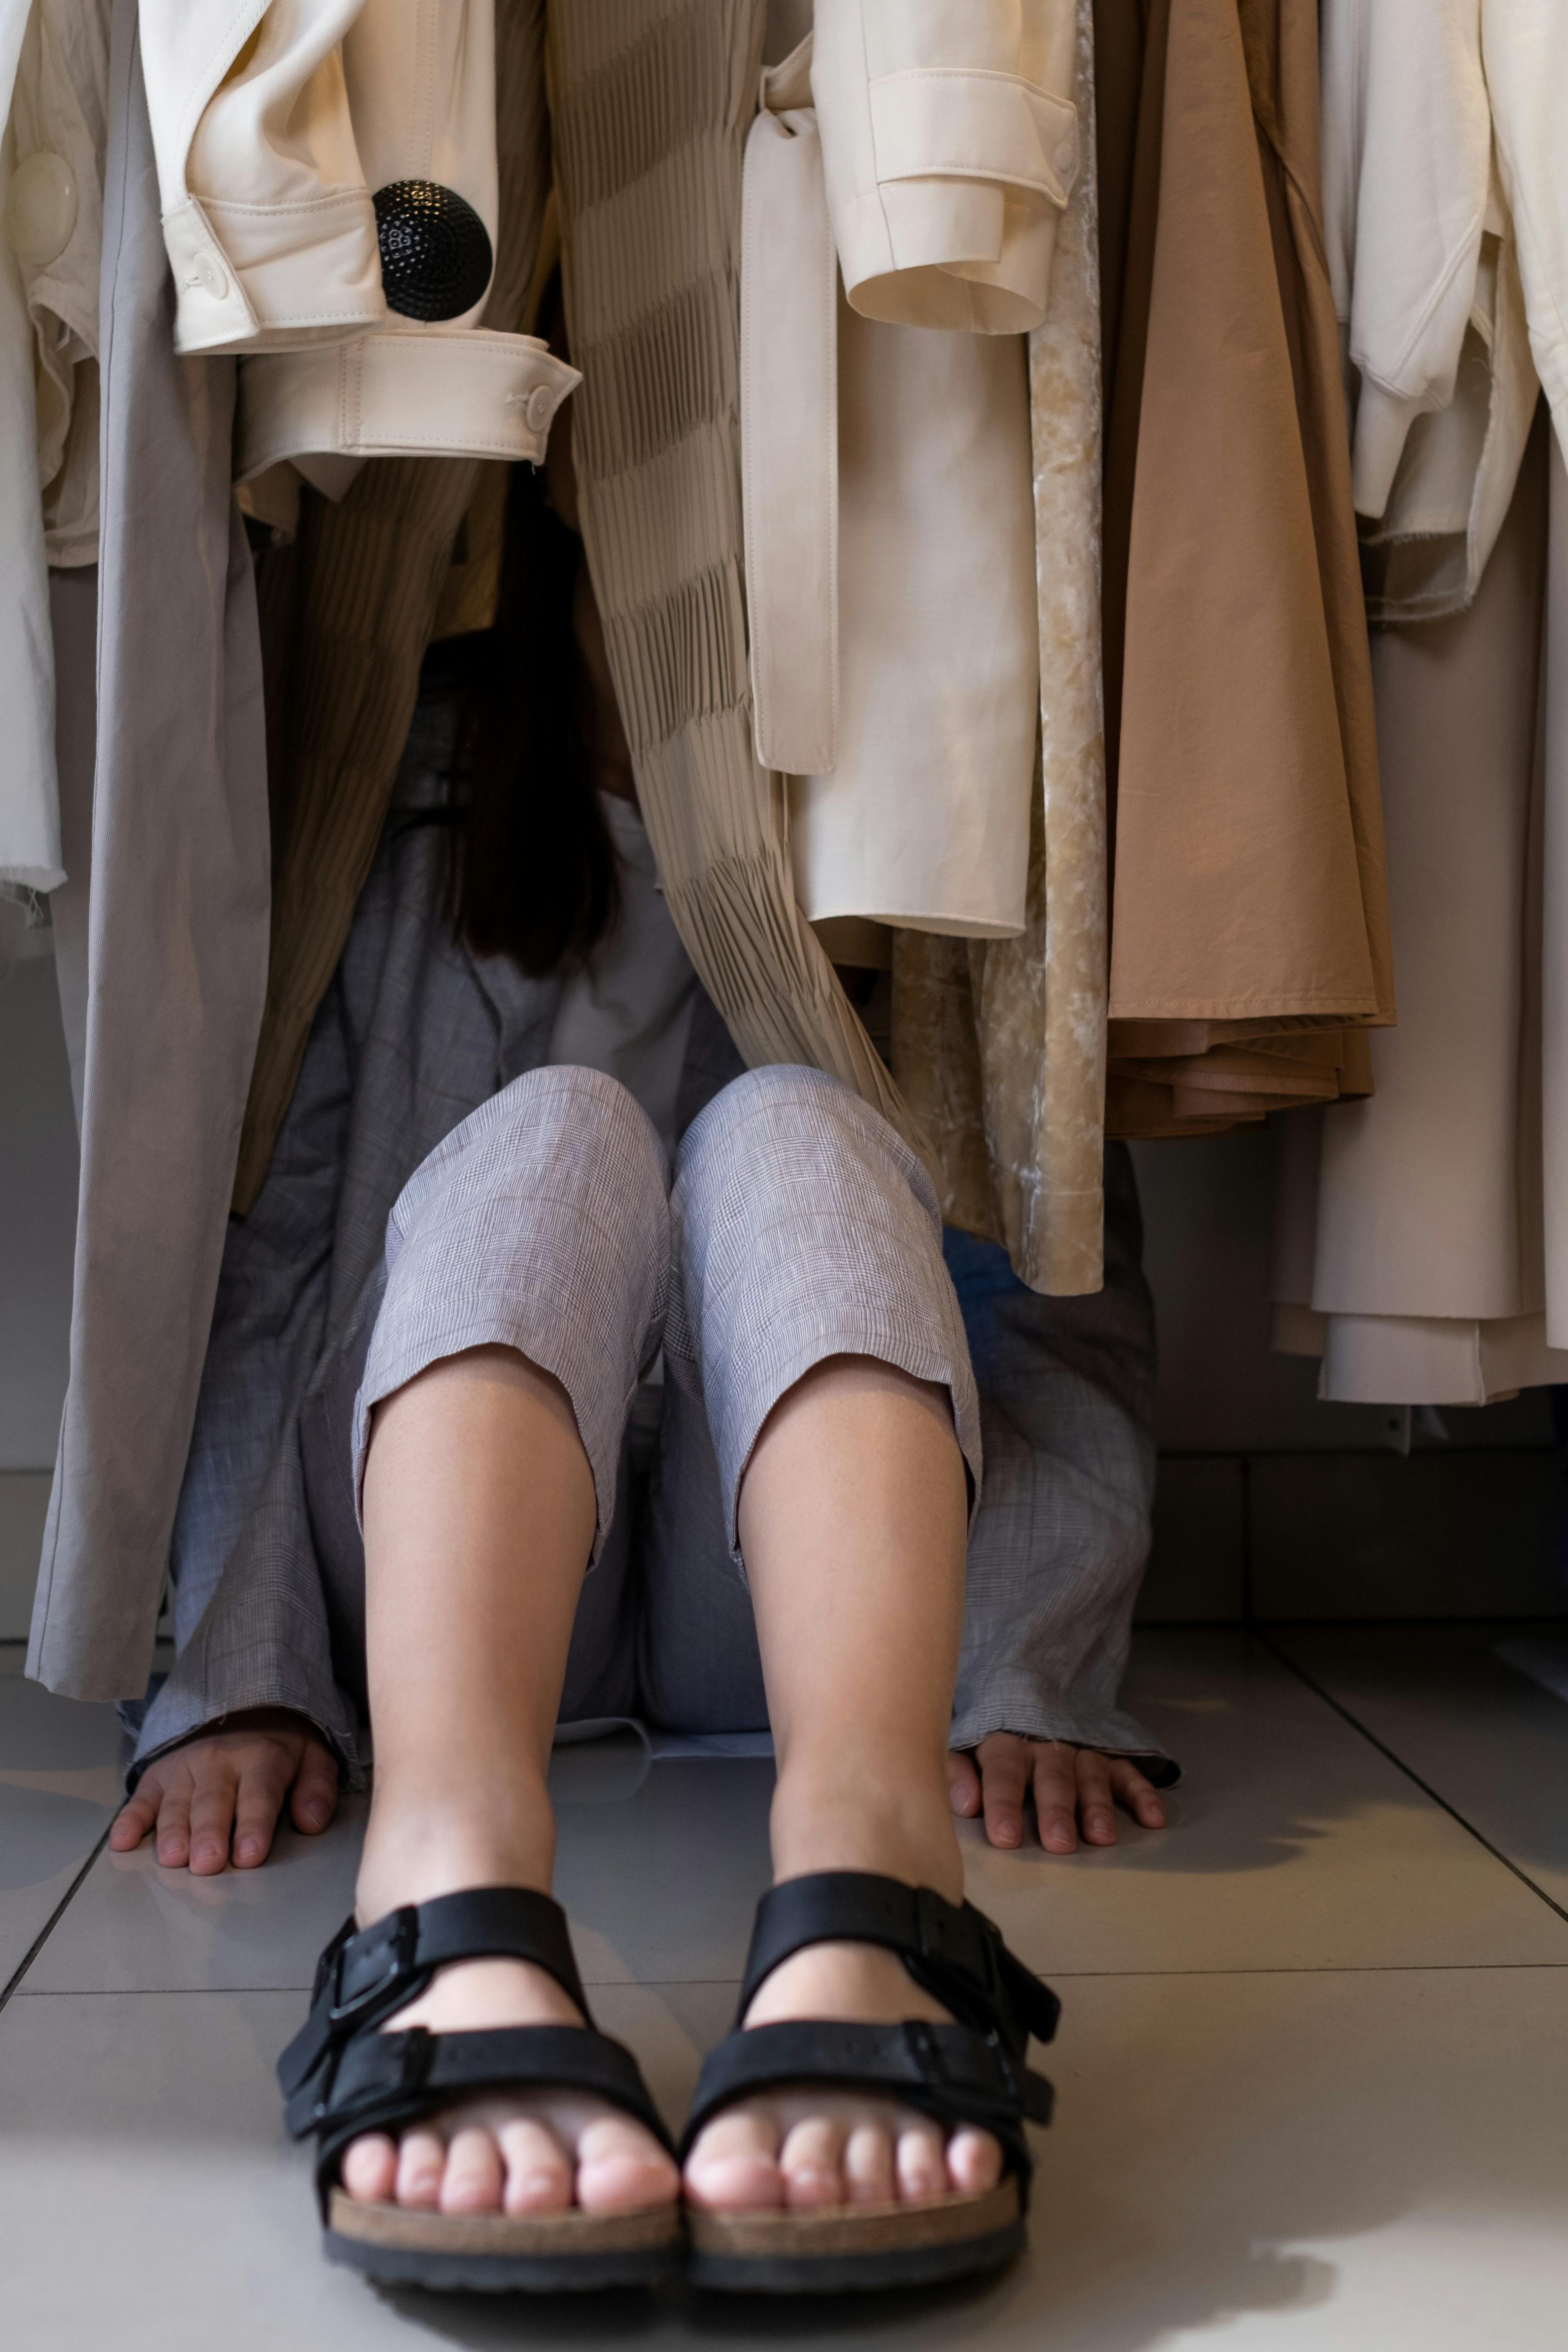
(401, 1936)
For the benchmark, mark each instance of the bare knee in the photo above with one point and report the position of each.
(491, 1370)
(843, 1380)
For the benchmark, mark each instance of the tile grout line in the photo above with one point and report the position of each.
(731, 1984)
(53, 1921)
(1302, 1674)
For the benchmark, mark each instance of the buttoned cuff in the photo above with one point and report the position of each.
(430, 392)
(257, 278)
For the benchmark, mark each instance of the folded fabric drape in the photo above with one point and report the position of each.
(1249, 941)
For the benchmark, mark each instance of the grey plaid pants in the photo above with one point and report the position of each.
(800, 1226)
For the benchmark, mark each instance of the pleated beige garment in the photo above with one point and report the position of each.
(346, 614)
(1250, 935)
(1000, 1044)
(649, 106)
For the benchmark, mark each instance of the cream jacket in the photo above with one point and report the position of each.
(924, 155)
(327, 177)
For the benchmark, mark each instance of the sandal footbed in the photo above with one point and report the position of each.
(573, 2234)
(812, 2260)
(895, 2228)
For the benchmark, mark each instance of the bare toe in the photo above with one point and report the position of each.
(421, 2161)
(974, 2161)
(734, 2167)
(869, 2165)
(538, 2171)
(621, 2168)
(472, 2181)
(812, 2160)
(920, 2163)
(370, 2169)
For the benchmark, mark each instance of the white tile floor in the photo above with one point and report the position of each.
(1312, 2071)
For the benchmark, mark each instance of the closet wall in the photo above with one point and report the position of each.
(1270, 1504)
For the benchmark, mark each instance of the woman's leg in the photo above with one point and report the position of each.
(814, 1298)
(538, 1232)
(853, 1516)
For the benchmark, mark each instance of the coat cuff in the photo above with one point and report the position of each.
(249, 277)
(458, 392)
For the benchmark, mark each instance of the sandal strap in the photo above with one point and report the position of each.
(947, 2071)
(951, 1949)
(367, 1974)
(384, 2082)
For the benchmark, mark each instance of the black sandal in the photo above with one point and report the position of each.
(341, 2076)
(971, 2072)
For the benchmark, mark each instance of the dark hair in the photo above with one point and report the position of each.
(533, 873)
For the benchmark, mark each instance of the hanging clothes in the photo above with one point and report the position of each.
(1249, 941)
(30, 793)
(1000, 1044)
(178, 934)
(1421, 1249)
(1411, 1257)
(665, 543)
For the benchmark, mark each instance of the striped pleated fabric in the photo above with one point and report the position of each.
(649, 104)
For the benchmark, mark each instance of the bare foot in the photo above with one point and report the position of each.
(813, 2147)
(221, 1793)
(515, 2153)
(1070, 1787)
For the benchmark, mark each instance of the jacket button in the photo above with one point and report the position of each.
(40, 208)
(541, 408)
(210, 276)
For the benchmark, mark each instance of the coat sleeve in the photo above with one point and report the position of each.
(251, 1627)
(267, 212)
(1526, 58)
(951, 143)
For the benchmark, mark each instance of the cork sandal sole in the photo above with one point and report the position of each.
(855, 2246)
(543, 2253)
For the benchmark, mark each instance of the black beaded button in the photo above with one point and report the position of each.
(436, 253)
